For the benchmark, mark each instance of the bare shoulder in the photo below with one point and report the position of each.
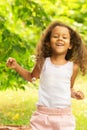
(74, 75)
(75, 71)
(75, 67)
(37, 69)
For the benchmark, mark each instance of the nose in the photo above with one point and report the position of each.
(59, 38)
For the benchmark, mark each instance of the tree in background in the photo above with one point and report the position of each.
(21, 24)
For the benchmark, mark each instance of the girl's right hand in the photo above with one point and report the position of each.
(11, 63)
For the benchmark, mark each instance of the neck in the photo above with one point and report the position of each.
(60, 59)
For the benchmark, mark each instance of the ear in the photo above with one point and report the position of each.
(70, 47)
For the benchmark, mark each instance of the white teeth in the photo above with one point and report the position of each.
(59, 44)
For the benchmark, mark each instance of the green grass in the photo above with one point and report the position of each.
(16, 107)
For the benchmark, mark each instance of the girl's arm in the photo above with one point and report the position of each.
(11, 63)
(75, 94)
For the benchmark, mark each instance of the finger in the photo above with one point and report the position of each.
(10, 60)
(80, 95)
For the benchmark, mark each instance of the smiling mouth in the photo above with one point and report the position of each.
(59, 44)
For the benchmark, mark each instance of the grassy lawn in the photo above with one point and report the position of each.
(16, 107)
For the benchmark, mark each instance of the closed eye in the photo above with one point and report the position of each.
(55, 36)
(64, 37)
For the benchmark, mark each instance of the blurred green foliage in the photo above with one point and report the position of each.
(21, 24)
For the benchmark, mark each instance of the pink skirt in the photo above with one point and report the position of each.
(52, 119)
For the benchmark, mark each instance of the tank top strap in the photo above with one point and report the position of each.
(45, 63)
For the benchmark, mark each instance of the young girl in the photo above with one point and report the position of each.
(60, 54)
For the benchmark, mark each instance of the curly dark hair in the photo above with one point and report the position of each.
(77, 54)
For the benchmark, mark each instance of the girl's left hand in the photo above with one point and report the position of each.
(77, 95)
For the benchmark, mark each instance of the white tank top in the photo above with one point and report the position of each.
(54, 87)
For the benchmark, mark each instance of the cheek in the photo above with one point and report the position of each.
(51, 44)
(52, 41)
(68, 43)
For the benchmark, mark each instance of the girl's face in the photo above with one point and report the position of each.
(60, 40)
